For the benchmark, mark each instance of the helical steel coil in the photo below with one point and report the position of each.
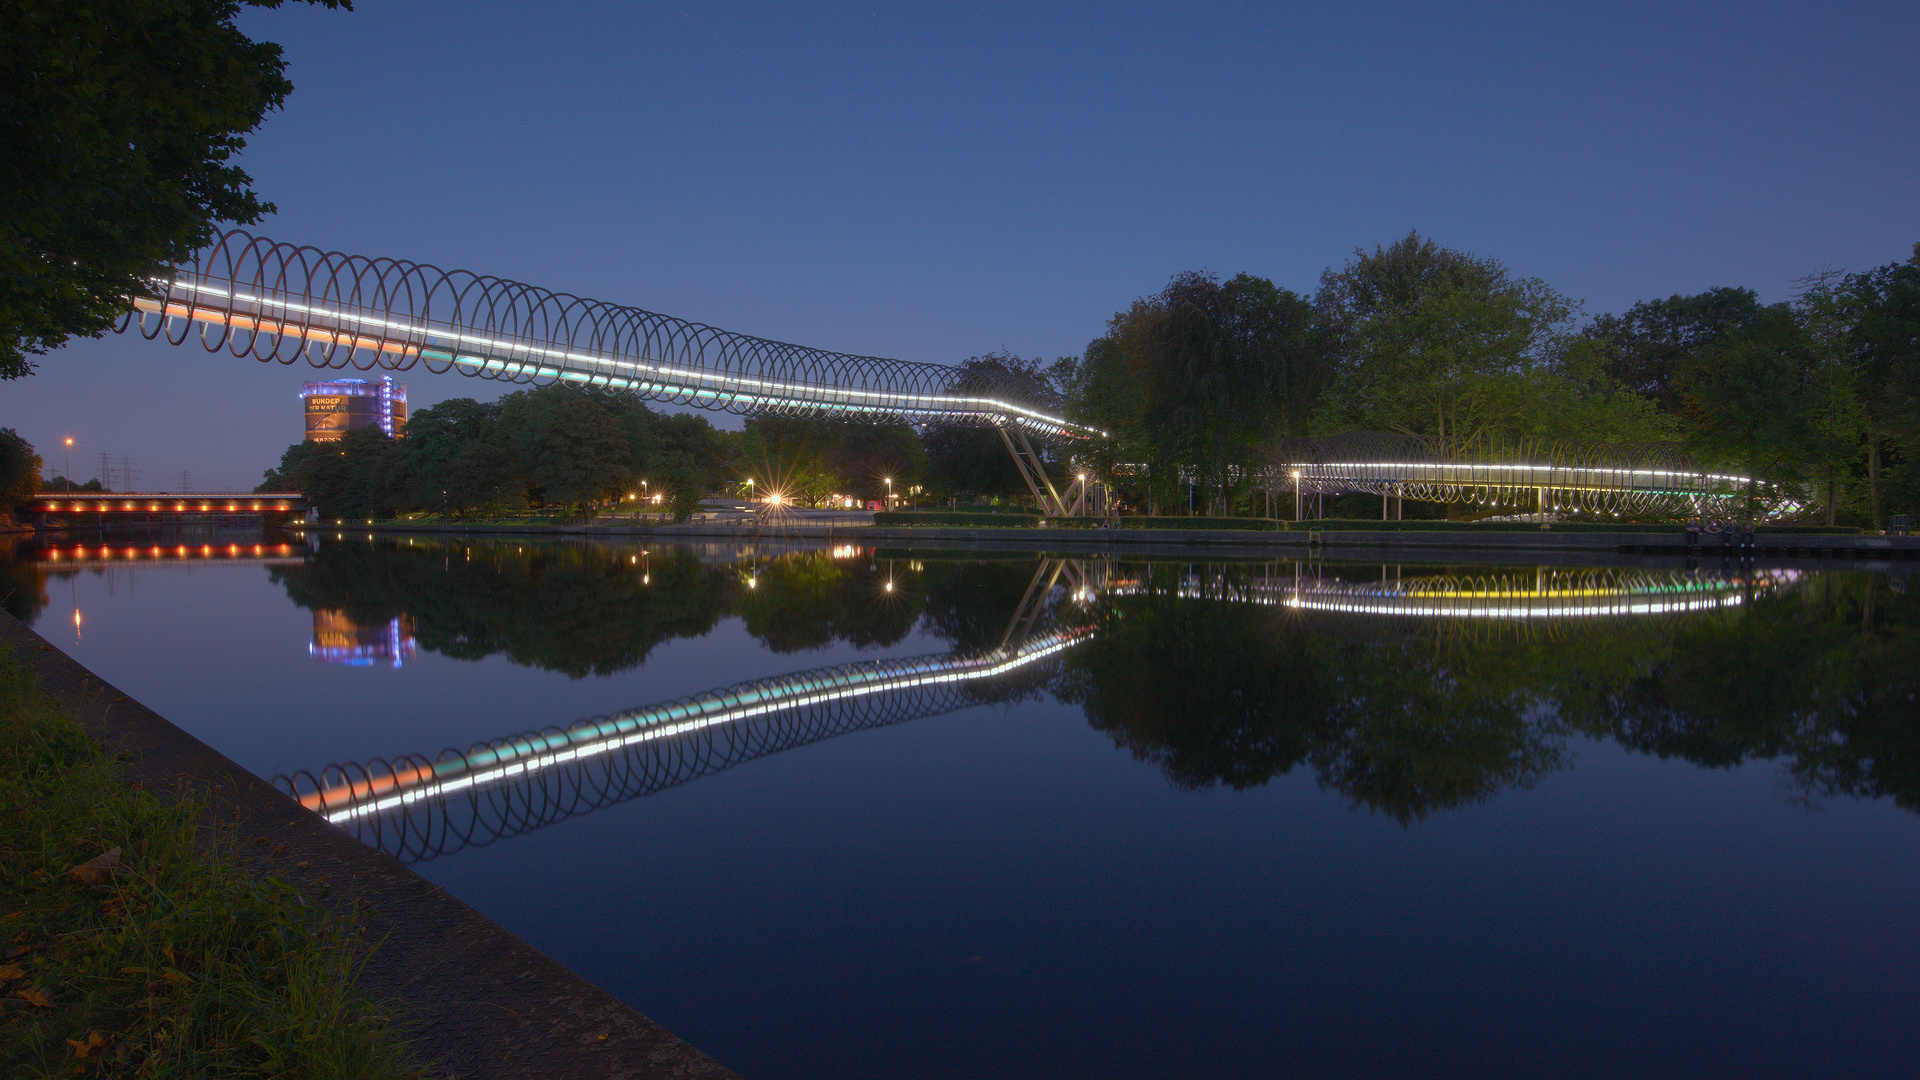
(250, 296)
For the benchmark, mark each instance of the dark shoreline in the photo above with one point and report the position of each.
(468, 995)
(1403, 545)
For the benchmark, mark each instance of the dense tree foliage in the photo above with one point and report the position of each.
(1820, 394)
(966, 464)
(807, 461)
(555, 445)
(19, 469)
(1195, 379)
(119, 119)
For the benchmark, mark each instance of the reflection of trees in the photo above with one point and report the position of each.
(23, 587)
(574, 609)
(968, 603)
(807, 601)
(592, 609)
(1826, 678)
(1228, 693)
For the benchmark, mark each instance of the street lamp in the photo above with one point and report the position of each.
(69, 477)
(889, 481)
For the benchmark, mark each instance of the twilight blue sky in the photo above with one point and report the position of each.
(931, 182)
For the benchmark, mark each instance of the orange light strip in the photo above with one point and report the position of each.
(271, 326)
(360, 789)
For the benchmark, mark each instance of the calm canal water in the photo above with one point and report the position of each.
(1115, 819)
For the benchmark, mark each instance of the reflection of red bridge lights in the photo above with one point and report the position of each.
(338, 639)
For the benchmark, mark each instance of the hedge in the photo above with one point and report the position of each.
(961, 519)
(1238, 523)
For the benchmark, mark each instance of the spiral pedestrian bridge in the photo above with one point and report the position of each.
(1526, 475)
(252, 297)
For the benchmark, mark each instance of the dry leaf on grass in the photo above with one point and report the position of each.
(93, 1041)
(98, 870)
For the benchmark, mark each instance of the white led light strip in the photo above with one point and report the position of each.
(416, 338)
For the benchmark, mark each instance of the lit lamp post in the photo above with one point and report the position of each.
(1296, 494)
(69, 476)
(889, 481)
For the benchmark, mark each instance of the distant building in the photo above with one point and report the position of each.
(337, 407)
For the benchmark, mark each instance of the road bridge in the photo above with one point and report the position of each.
(94, 507)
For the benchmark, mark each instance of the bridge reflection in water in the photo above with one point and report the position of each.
(417, 808)
(1550, 600)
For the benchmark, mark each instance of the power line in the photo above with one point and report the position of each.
(127, 471)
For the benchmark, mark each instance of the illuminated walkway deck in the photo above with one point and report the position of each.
(1526, 475)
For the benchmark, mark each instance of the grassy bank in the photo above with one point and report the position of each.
(129, 949)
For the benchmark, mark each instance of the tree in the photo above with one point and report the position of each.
(1748, 405)
(1651, 346)
(61, 483)
(793, 457)
(693, 459)
(571, 442)
(1835, 390)
(458, 457)
(1439, 342)
(973, 462)
(867, 455)
(808, 460)
(1884, 353)
(119, 118)
(1195, 379)
(348, 478)
(19, 471)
